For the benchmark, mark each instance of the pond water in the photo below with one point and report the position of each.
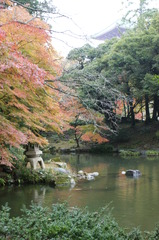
(134, 201)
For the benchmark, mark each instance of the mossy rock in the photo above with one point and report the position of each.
(56, 159)
(62, 180)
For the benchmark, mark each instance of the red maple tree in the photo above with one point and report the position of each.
(27, 58)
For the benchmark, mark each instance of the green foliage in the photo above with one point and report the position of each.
(62, 222)
(22, 174)
(130, 65)
(2, 182)
(6, 179)
(102, 148)
(152, 153)
(32, 4)
(71, 141)
(129, 153)
(81, 54)
(78, 122)
(96, 92)
(58, 223)
(46, 176)
(18, 153)
(155, 233)
(135, 234)
(42, 8)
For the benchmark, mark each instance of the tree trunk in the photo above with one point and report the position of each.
(155, 108)
(132, 116)
(124, 109)
(147, 109)
(76, 139)
(110, 120)
(142, 110)
(132, 113)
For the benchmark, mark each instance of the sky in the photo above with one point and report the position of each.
(84, 18)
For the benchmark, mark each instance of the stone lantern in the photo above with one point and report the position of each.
(33, 156)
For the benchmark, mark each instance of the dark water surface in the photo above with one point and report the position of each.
(135, 202)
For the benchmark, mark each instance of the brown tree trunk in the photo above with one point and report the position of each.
(132, 113)
(155, 108)
(76, 139)
(147, 109)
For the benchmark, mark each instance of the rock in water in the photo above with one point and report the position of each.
(90, 177)
(80, 172)
(133, 173)
(95, 174)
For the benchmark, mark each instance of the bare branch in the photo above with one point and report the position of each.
(33, 18)
(88, 82)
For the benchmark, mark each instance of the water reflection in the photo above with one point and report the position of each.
(134, 200)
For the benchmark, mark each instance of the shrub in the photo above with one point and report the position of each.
(59, 223)
(18, 153)
(2, 182)
(62, 222)
(102, 148)
(129, 153)
(27, 175)
(152, 153)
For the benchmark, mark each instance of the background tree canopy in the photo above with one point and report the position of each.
(129, 65)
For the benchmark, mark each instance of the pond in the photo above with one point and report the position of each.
(134, 201)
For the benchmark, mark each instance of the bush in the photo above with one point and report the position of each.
(129, 153)
(22, 174)
(152, 153)
(102, 148)
(18, 153)
(59, 223)
(2, 182)
(62, 222)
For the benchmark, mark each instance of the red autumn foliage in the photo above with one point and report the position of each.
(85, 131)
(27, 58)
(94, 137)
